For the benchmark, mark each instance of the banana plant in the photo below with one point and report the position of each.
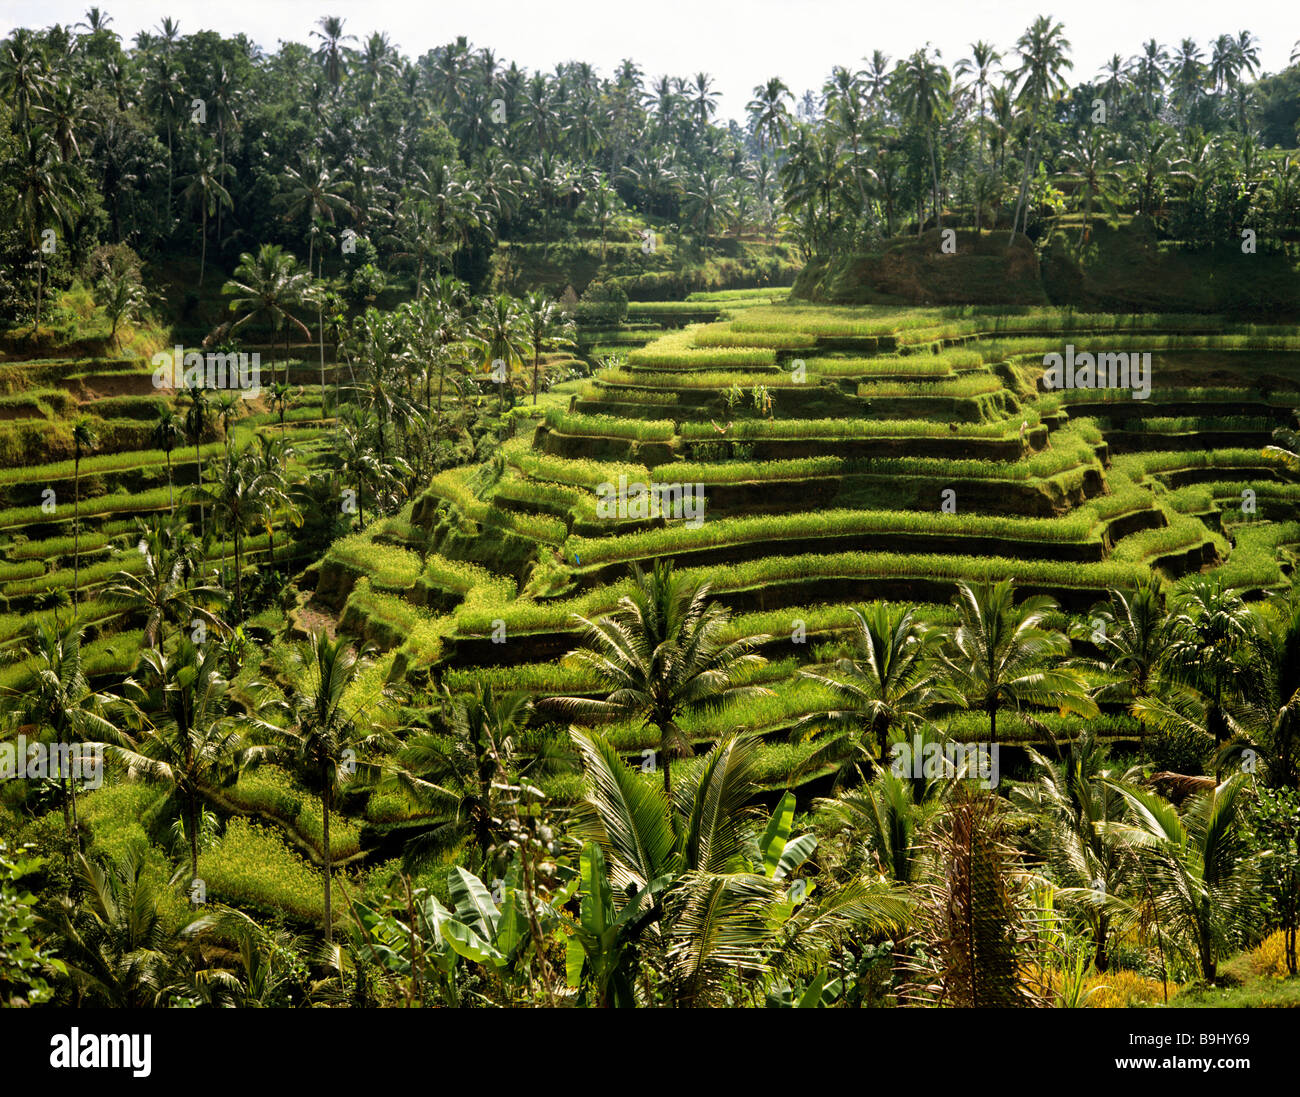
(602, 947)
(780, 856)
(493, 934)
(389, 942)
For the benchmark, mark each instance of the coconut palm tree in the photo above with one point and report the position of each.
(680, 860)
(885, 813)
(83, 440)
(1210, 633)
(165, 435)
(235, 495)
(547, 327)
(663, 652)
(203, 188)
(500, 337)
(46, 197)
(1076, 797)
(890, 684)
(769, 113)
(704, 100)
(706, 202)
(464, 762)
(24, 74)
(121, 296)
(275, 498)
(1086, 162)
(1000, 650)
(924, 95)
(332, 54)
(119, 939)
(165, 99)
(268, 285)
(1203, 875)
(190, 742)
(1132, 632)
(167, 590)
(979, 68)
(329, 731)
(197, 419)
(1041, 50)
(57, 698)
(227, 408)
(1148, 69)
(313, 193)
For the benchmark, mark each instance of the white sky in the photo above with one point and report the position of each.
(739, 42)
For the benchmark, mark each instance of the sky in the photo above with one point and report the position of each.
(739, 42)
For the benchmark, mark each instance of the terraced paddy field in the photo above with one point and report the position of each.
(70, 518)
(805, 460)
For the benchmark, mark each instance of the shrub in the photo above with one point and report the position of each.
(1185, 750)
(602, 304)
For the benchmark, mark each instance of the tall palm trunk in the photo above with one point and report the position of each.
(1021, 202)
(222, 130)
(76, 827)
(536, 359)
(171, 493)
(325, 831)
(203, 251)
(198, 465)
(1101, 960)
(76, 524)
(934, 175)
(193, 804)
(979, 163)
(239, 576)
(40, 271)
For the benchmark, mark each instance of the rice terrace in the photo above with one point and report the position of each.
(478, 535)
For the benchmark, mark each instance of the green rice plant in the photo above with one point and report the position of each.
(388, 566)
(115, 816)
(920, 566)
(795, 429)
(762, 295)
(576, 472)
(25, 569)
(1193, 424)
(641, 430)
(1075, 527)
(736, 472)
(535, 494)
(90, 612)
(913, 365)
(526, 615)
(271, 790)
(1150, 463)
(641, 396)
(973, 726)
(252, 867)
(969, 384)
(1182, 532)
(723, 335)
(1067, 453)
(559, 677)
(53, 547)
(1254, 561)
(455, 575)
(127, 407)
(701, 379)
(677, 349)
